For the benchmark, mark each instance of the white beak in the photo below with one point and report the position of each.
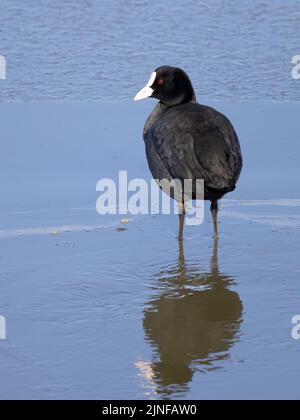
(147, 91)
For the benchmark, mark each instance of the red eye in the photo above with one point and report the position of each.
(160, 82)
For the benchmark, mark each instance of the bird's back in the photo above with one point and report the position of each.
(192, 141)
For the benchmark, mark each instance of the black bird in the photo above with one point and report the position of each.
(186, 140)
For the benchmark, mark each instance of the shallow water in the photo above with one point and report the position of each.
(105, 50)
(94, 312)
(98, 309)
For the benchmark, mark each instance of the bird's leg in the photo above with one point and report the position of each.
(181, 220)
(214, 212)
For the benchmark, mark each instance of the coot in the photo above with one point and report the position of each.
(186, 140)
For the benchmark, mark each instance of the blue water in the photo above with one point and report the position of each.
(98, 309)
(95, 312)
(105, 50)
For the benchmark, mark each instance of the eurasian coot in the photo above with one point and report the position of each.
(186, 140)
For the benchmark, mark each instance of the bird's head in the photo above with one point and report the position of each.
(170, 85)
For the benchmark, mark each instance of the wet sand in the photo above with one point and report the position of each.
(97, 309)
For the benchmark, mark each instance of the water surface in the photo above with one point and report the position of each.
(105, 50)
(95, 311)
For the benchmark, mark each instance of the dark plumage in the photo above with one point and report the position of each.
(186, 140)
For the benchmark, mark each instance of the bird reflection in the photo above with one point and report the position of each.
(191, 323)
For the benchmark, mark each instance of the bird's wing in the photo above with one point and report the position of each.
(197, 142)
